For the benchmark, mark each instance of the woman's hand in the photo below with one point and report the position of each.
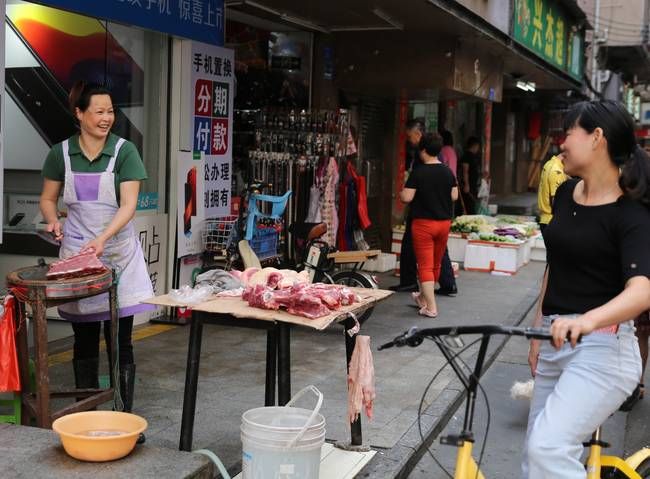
(570, 329)
(95, 246)
(55, 229)
(533, 355)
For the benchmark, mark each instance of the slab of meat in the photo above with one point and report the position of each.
(307, 305)
(76, 266)
(308, 300)
(278, 278)
(361, 380)
(260, 297)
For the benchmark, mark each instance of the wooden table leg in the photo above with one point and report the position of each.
(284, 363)
(350, 341)
(271, 365)
(23, 358)
(191, 381)
(114, 362)
(43, 418)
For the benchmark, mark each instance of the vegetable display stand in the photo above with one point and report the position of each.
(30, 286)
(487, 256)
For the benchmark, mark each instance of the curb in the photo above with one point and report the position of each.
(398, 461)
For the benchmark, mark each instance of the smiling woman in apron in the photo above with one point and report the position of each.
(100, 175)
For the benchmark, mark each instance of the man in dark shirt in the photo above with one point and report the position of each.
(408, 279)
(470, 174)
(407, 263)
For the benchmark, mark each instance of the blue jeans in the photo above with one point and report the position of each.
(576, 390)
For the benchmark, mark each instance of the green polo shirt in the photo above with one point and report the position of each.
(128, 165)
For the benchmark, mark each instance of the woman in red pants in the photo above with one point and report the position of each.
(431, 189)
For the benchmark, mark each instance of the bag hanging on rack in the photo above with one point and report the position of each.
(9, 374)
(362, 199)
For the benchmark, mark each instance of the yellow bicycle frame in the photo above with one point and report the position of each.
(596, 461)
(466, 467)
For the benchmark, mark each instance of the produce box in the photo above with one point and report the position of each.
(487, 256)
(456, 246)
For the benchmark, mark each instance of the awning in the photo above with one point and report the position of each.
(431, 21)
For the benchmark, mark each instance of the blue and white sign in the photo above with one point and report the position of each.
(201, 20)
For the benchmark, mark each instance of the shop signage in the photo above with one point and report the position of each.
(212, 97)
(201, 20)
(2, 103)
(544, 27)
(285, 63)
(477, 73)
(152, 234)
(147, 201)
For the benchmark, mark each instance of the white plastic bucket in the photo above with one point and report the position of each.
(283, 442)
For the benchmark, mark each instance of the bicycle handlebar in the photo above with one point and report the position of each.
(414, 336)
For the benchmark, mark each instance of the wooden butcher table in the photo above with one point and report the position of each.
(30, 285)
(236, 312)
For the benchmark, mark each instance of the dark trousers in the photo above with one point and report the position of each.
(447, 280)
(408, 270)
(469, 202)
(86, 339)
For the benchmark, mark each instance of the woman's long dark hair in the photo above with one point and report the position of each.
(81, 92)
(618, 128)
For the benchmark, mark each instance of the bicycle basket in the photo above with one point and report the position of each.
(219, 233)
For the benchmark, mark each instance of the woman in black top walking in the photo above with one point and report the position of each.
(596, 283)
(431, 190)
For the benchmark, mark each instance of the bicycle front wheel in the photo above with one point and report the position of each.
(355, 279)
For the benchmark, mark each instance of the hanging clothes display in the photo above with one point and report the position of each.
(315, 198)
(307, 152)
(329, 212)
(353, 210)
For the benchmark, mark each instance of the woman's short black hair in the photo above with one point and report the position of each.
(447, 138)
(431, 143)
(82, 92)
(618, 129)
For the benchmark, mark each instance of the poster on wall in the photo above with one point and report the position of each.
(152, 234)
(190, 202)
(213, 92)
(2, 105)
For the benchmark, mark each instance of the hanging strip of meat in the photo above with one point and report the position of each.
(361, 380)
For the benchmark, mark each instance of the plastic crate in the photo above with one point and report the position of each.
(265, 242)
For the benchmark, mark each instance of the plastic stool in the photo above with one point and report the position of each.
(15, 403)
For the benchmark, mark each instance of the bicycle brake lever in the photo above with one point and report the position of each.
(409, 338)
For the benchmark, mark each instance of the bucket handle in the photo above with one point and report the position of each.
(319, 403)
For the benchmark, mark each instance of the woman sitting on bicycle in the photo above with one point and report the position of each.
(596, 282)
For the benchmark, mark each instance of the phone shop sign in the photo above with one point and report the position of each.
(201, 20)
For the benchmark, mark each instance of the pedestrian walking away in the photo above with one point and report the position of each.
(431, 191)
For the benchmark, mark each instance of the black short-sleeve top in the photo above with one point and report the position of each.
(592, 251)
(433, 183)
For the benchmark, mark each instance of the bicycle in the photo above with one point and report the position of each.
(598, 466)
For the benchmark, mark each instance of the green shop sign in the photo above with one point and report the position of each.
(543, 27)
